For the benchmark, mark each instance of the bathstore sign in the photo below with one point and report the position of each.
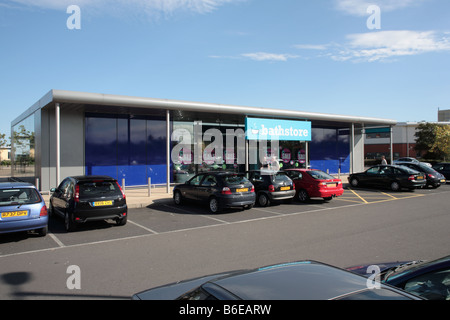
(274, 129)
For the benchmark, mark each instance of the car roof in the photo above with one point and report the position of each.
(4, 185)
(91, 178)
(294, 281)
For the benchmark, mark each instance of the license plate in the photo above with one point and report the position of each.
(242, 190)
(285, 188)
(14, 214)
(102, 203)
(419, 178)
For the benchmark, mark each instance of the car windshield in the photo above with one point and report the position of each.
(280, 177)
(409, 170)
(235, 179)
(13, 196)
(98, 188)
(320, 175)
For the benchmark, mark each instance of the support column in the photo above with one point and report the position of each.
(392, 145)
(58, 144)
(168, 150)
(352, 169)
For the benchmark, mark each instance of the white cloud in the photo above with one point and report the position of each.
(148, 6)
(359, 7)
(264, 56)
(311, 46)
(385, 45)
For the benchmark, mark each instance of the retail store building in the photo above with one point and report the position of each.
(132, 138)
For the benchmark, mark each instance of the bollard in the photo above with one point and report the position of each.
(123, 185)
(149, 186)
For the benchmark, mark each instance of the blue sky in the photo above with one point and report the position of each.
(317, 56)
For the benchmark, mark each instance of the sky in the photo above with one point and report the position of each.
(385, 59)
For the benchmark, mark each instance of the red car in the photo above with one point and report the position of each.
(311, 183)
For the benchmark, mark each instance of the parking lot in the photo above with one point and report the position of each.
(163, 216)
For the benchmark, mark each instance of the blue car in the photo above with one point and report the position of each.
(22, 208)
(427, 279)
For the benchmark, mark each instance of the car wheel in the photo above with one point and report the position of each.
(302, 196)
(177, 198)
(214, 205)
(263, 200)
(69, 224)
(42, 232)
(395, 186)
(354, 182)
(122, 221)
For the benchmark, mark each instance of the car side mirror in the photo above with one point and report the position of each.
(52, 189)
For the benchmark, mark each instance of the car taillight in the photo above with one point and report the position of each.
(431, 176)
(271, 188)
(293, 186)
(411, 178)
(43, 212)
(76, 197)
(226, 190)
(123, 194)
(253, 189)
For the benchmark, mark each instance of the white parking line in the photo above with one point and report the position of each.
(58, 242)
(143, 227)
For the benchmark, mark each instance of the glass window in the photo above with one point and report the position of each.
(17, 196)
(434, 285)
(195, 181)
(320, 175)
(209, 181)
(373, 170)
(235, 179)
(23, 148)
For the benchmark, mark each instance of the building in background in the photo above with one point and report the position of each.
(75, 133)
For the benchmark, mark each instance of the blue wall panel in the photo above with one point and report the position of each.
(133, 149)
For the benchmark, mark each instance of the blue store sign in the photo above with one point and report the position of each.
(274, 129)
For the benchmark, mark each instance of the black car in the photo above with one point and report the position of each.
(80, 199)
(219, 189)
(302, 280)
(443, 168)
(434, 178)
(390, 176)
(271, 186)
(428, 279)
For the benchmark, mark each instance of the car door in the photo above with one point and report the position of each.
(371, 177)
(190, 190)
(386, 176)
(207, 187)
(60, 196)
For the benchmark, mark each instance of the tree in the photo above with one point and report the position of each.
(442, 141)
(426, 138)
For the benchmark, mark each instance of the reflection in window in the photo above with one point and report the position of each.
(23, 148)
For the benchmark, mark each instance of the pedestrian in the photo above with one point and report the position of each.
(383, 160)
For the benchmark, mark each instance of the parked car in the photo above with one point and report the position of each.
(410, 160)
(219, 189)
(302, 280)
(390, 176)
(443, 168)
(434, 178)
(428, 279)
(22, 208)
(80, 199)
(312, 183)
(271, 186)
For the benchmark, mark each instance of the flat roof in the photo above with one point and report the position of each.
(80, 98)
